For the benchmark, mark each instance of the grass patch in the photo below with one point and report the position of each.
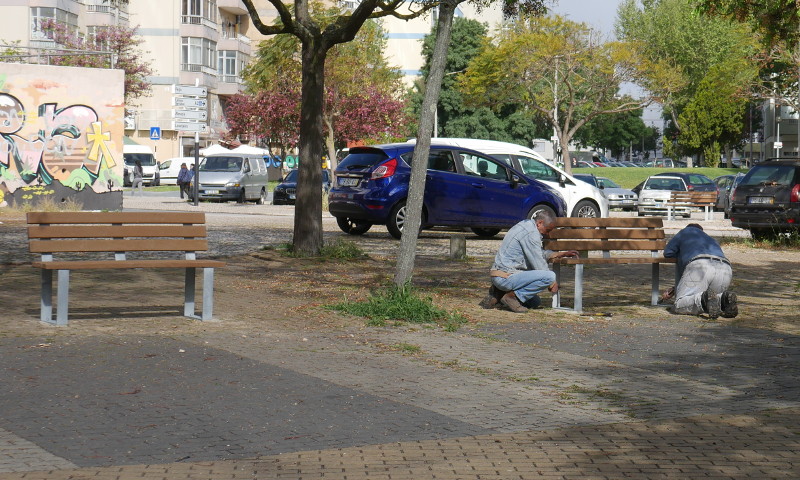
(786, 241)
(630, 177)
(48, 204)
(400, 304)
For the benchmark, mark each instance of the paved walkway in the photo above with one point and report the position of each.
(621, 398)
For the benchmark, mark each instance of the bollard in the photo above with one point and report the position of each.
(458, 246)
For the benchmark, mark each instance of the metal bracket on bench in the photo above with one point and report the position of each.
(208, 294)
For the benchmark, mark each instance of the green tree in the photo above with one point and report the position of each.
(557, 68)
(669, 32)
(615, 133)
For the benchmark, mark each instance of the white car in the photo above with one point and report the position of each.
(655, 195)
(169, 169)
(583, 200)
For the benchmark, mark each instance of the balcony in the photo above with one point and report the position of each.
(113, 12)
(229, 85)
(238, 43)
(198, 20)
(235, 7)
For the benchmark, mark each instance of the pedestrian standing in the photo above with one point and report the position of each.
(184, 180)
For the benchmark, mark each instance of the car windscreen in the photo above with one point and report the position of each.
(696, 179)
(146, 159)
(221, 164)
(770, 175)
(361, 160)
(607, 183)
(585, 178)
(538, 170)
(291, 177)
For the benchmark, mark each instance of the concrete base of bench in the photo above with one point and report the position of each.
(62, 296)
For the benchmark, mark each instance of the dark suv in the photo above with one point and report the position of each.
(463, 188)
(767, 200)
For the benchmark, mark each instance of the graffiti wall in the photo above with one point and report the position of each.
(61, 134)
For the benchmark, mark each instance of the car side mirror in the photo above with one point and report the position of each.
(514, 181)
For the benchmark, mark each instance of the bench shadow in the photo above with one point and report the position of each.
(108, 312)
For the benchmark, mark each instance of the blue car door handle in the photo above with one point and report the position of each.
(478, 185)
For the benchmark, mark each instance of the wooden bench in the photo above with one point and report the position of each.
(101, 240)
(607, 241)
(691, 200)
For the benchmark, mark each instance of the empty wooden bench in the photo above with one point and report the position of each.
(692, 200)
(607, 241)
(104, 240)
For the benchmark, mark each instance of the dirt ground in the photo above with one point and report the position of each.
(267, 290)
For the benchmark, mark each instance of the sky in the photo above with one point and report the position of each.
(600, 14)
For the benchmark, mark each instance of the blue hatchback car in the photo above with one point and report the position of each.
(463, 188)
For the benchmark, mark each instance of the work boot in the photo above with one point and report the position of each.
(533, 302)
(511, 301)
(710, 303)
(728, 304)
(492, 300)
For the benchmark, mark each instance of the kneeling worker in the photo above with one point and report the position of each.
(703, 275)
(520, 268)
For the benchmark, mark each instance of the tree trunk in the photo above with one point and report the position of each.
(419, 167)
(330, 145)
(308, 205)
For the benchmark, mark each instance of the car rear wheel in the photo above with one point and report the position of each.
(538, 208)
(398, 218)
(485, 232)
(352, 227)
(586, 209)
(242, 198)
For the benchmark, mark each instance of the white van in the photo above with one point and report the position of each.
(143, 153)
(171, 167)
(233, 176)
(583, 200)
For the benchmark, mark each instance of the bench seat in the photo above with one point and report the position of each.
(694, 200)
(103, 241)
(607, 241)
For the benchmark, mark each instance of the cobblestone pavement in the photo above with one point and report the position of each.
(628, 398)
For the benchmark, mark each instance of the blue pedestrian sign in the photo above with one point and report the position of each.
(155, 133)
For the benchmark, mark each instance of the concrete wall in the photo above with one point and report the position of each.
(61, 135)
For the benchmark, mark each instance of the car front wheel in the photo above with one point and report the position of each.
(485, 232)
(586, 209)
(352, 227)
(539, 208)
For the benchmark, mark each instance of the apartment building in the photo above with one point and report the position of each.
(193, 42)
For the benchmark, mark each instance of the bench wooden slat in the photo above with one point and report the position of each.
(106, 245)
(115, 231)
(619, 222)
(606, 245)
(116, 217)
(604, 233)
(122, 264)
(612, 261)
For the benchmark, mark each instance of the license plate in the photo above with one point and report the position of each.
(212, 192)
(761, 200)
(291, 196)
(348, 182)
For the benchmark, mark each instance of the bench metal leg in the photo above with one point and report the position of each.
(579, 287)
(62, 305)
(188, 294)
(208, 293)
(654, 294)
(46, 311)
(557, 295)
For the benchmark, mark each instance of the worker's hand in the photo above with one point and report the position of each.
(553, 288)
(667, 294)
(566, 254)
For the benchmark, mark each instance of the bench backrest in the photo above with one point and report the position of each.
(694, 197)
(118, 232)
(607, 234)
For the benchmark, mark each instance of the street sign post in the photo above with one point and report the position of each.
(155, 133)
(191, 116)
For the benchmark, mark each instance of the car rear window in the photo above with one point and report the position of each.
(695, 179)
(362, 160)
(770, 175)
(663, 183)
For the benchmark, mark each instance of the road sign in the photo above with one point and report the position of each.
(189, 102)
(778, 145)
(155, 133)
(189, 127)
(189, 115)
(189, 90)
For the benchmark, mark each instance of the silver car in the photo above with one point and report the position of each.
(617, 196)
(656, 193)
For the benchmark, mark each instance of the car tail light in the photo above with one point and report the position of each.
(795, 195)
(385, 170)
(690, 187)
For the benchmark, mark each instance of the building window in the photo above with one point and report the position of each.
(40, 14)
(197, 53)
(91, 35)
(195, 11)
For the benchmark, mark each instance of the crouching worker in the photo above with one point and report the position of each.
(520, 268)
(703, 275)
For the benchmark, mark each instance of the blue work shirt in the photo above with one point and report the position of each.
(522, 250)
(689, 243)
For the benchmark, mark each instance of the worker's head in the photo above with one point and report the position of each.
(545, 221)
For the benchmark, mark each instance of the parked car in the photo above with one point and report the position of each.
(284, 193)
(585, 164)
(233, 176)
(767, 199)
(694, 181)
(463, 188)
(170, 168)
(725, 187)
(617, 196)
(582, 200)
(656, 192)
